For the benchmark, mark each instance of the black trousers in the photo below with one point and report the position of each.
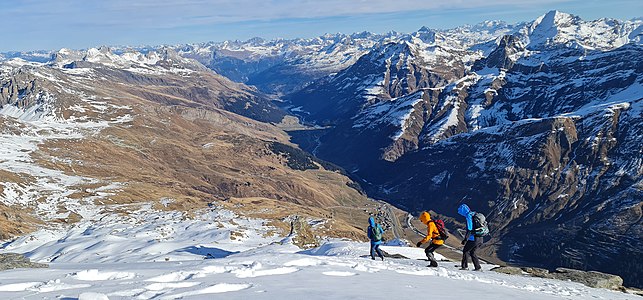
(470, 251)
(376, 248)
(429, 254)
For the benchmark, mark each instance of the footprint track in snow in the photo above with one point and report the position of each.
(96, 275)
(214, 289)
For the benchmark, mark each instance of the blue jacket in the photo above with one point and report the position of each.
(466, 212)
(371, 224)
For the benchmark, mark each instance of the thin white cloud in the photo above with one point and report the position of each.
(175, 13)
(225, 11)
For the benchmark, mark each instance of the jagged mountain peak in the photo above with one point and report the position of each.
(424, 29)
(102, 54)
(558, 29)
(256, 41)
(426, 35)
(490, 24)
(555, 18)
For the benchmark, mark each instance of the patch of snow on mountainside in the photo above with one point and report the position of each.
(452, 105)
(394, 112)
(23, 132)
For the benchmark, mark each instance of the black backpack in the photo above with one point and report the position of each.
(480, 227)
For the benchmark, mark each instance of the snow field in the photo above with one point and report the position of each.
(126, 257)
(277, 271)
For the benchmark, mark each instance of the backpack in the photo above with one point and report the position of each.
(376, 233)
(444, 234)
(480, 227)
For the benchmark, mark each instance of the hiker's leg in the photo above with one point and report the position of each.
(379, 251)
(465, 253)
(372, 251)
(474, 256)
(429, 254)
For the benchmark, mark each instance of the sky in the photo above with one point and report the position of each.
(78, 24)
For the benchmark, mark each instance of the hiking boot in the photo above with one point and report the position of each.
(463, 268)
(478, 269)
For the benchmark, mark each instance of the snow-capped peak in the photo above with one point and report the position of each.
(556, 28)
(555, 18)
(426, 35)
(546, 27)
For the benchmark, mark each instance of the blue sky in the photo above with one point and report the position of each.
(53, 24)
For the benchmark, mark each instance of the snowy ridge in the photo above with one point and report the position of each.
(561, 28)
(152, 254)
(155, 62)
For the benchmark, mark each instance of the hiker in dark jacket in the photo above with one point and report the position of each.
(470, 242)
(374, 231)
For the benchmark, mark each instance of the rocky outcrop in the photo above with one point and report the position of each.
(503, 57)
(508, 270)
(589, 278)
(15, 261)
(302, 233)
(15, 89)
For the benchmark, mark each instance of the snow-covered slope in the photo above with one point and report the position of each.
(218, 255)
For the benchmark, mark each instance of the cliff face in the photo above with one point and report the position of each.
(557, 191)
(541, 131)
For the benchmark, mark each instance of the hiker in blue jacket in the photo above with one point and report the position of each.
(470, 242)
(375, 233)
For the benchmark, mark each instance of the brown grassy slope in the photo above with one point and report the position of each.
(189, 150)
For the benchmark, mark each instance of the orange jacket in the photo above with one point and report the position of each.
(432, 232)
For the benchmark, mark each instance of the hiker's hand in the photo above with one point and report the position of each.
(418, 244)
(463, 242)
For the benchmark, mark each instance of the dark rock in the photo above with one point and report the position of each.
(508, 270)
(395, 255)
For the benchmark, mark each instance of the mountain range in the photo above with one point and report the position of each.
(536, 124)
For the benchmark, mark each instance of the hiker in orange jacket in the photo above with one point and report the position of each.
(433, 235)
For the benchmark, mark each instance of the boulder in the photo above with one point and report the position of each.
(508, 270)
(15, 260)
(590, 278)
(538, 272)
